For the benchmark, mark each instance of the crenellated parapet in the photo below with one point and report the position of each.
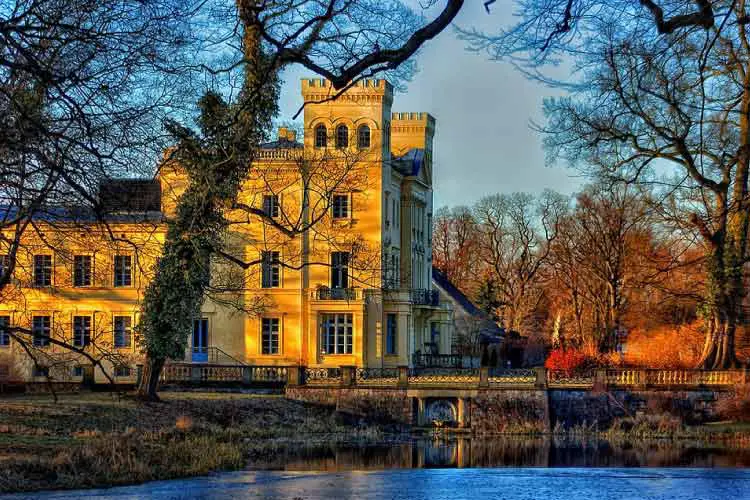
(411, 130)
(362, 92)
(413, 123)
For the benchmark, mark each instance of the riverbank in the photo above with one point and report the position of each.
(95, 439)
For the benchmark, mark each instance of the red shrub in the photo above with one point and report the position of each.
(569, 361)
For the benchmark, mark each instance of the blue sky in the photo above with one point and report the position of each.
(483, 142)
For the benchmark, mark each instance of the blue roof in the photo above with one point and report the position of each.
(410, 163)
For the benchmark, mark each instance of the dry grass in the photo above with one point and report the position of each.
(91, 440)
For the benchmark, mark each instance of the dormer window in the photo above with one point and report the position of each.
(342, 136)
(321, 136)
(363, 137)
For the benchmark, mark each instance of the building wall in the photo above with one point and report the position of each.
(387, 232)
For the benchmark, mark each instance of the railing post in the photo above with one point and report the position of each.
(295, 376)
(600, 379)
(484, 376)
(138, 374)
(195, 374)
(348, 375)
(403, 376)
(541, 377)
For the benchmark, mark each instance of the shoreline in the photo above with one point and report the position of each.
(95, 440)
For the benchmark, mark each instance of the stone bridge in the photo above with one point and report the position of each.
(529, 400)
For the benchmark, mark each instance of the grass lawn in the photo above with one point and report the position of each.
(95, 439)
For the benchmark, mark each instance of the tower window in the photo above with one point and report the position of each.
(321, 136)
(363, 137)
(342, 136)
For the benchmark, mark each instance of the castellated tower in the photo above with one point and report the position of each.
(412, 131)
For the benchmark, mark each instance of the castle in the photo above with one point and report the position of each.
(328, 259)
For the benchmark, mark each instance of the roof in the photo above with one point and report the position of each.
(282, 143)
(81, 214)
(489, 327)
(410, 163)
(443, 282)
(130, 195)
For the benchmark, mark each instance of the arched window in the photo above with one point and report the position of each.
(342, 136)
(321, 136)
(363, 137)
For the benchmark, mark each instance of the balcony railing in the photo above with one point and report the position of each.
(422, 297)
(436, 360)
(325, 293)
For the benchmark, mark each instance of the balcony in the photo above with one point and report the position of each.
(326, 293)
(422, 297)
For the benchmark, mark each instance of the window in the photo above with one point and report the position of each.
(271, 205)
(4, 333)
(78, 371)
(40, 330)
(43, 270)
(270, 336)
(82, 270)
(81, 331)
(41, 371)
(270, 270)
(336, 333)
(123, 270)
(342, 136)
(321, 136)
(122, 371)
(123, 331)
(340, 270)
(340, 206)
(363, 137)
(391, 335)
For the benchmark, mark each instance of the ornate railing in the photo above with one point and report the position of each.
(176, 372)
(436, 360)
(635, 377)
(564, 380)
(424, 297)
(377, 376)
(200, 373)
(322, 375)
(442, 376)
(325, 293)
(511, 376)
(276, 374)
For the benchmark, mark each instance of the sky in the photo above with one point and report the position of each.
(483, 140)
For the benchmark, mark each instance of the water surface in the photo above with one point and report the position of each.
(436, 469)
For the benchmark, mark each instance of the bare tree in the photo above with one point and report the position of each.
(516, 232)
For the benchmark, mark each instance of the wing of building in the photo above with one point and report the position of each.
(330, 244)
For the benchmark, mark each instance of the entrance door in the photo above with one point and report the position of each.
(200, 340)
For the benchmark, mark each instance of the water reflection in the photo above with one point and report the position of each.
(441, 452)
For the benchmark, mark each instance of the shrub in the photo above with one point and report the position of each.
(668, 347)
(570, 361)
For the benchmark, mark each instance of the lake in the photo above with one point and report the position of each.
(440, 468)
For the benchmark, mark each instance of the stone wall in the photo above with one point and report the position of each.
(578, 407)
(509, 411)
(390, 405)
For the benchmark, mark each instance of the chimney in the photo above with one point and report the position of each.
(287, 134)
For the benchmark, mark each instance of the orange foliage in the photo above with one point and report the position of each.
(570, 361)
(666, 346)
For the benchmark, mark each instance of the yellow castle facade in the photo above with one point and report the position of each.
(327, 258)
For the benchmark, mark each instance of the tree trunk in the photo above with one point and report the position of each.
(150, 381)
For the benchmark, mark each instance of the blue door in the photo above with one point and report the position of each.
(200, 340)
